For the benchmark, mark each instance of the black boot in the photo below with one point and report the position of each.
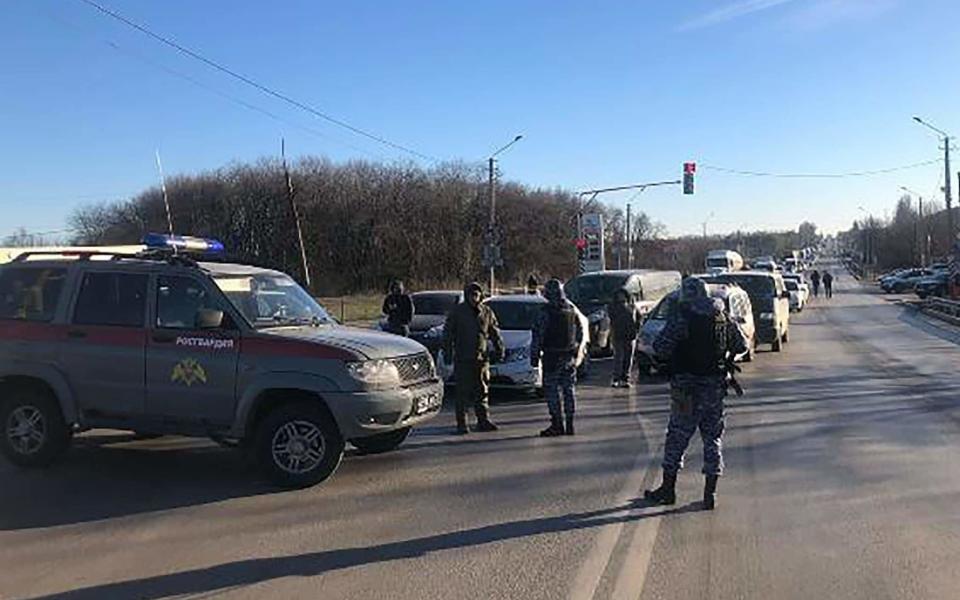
(569, 430)
(666, 493)
(555, 429)
(485, 425)
(462, 424)
(710, 492)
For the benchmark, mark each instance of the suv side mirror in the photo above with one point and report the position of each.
(208, 318)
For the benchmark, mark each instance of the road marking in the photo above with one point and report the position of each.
(639, 552)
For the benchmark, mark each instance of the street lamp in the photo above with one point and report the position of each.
(492, 242)
(947, 192)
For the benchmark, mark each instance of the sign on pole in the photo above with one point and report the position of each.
(592, 231)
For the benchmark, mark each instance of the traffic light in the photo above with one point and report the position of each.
(581, 248)
(689, 169)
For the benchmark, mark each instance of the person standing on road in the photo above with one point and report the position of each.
(557, 335)
(815, 280)
(624, 325)
(398, 308)
(696, 341)
(533, 285)
(828, 284)
(470, 327)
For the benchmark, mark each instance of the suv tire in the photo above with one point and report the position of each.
(298, 445)
(382, 442)
(32, 430)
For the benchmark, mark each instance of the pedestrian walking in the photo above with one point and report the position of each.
(828, 284)
(557, 335)
(815, 280)
(398, 308)
(470, 327)
(697, 341)
(624, 324)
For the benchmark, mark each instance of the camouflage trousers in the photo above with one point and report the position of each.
(557, 382)
(473, 389)
(697, 403)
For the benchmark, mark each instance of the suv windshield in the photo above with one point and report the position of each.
(756, 287)
(597, 289)
(718, 262)
(791, 284)
(433, 304)
(272, 300)
(516, 315)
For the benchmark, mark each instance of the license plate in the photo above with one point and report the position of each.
(428, 403)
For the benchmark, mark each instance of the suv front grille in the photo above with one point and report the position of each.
(415, 369)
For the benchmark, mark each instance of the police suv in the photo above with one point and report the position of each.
(158, 342)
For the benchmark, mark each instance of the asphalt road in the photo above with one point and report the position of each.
(842, 483)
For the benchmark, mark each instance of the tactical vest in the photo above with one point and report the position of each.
(703, 351)
(561, 334)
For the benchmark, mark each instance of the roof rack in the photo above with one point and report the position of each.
(155, 254)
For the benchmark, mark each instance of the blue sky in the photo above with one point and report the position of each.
(605, 93)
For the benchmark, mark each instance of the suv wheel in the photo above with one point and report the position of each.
(34, 433)
(298, 445)
(382, 442)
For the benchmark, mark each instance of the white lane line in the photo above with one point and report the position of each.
(633, 573)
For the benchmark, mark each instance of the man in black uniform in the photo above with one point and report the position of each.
(557, 334)
(398, 308)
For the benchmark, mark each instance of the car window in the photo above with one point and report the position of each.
(179, 299)
(30, 294)
(434, 304)
(117, 299)
(516, 315)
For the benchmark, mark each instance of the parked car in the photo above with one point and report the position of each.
(934, 285)
(592, 292)
(722, 261)
(517, 315)
(770, 302)
(737, 302)
(430, 310)
(764, 263)
(904, 282)
(802, 284)
(156, 342)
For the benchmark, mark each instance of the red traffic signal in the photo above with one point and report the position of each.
(689, 168)
(580, 243)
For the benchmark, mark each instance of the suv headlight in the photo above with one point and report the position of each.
(377, 373)
(766, 316)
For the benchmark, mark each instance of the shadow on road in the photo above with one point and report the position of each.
(258, 570)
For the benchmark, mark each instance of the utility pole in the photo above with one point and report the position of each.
(629, 240)
(947, 191)
(291, 198)
(493, 250)
(491, 184)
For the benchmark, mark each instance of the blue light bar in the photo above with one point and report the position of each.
(182, 243)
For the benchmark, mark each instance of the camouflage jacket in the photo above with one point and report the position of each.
(468, 331)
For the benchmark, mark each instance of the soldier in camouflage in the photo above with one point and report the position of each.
(558, 335)
(696, 341)
(470, 328)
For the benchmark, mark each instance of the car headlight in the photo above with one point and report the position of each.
(379, 373)
(517, 354)
(597, 316)
(766, 316)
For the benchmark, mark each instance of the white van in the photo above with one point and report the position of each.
(723, 261)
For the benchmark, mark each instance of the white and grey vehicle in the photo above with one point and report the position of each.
(517, 315)
(430, 310)
(798, 298)
(156, 342)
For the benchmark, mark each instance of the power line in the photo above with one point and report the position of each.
(259, 86)
(821, 175)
